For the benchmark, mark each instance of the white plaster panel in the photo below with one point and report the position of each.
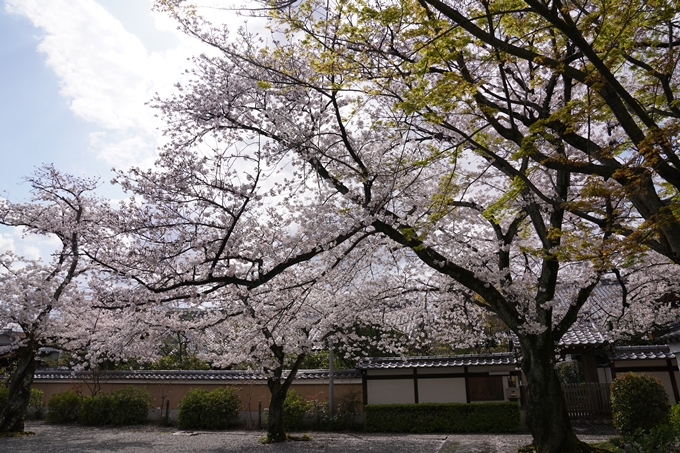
(665, 379)
(390, 391)
(443, 390)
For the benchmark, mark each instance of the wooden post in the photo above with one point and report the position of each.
(259, 414)
(331, 371)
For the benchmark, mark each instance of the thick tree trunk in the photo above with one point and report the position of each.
(14, 414)
(275, 432)
(278, 389)
(546, 411)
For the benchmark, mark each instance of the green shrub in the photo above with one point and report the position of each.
(675, 417)
(660, 439)
(63, 407)
(497, 417)
(201, 409)
(129, 406)
(95, 410)
(639, 402)
(294, 409)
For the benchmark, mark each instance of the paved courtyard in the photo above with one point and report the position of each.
(77, 439)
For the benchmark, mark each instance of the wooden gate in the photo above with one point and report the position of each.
(584, 401)
(588, 400)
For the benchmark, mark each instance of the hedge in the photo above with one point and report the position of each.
(496, 417)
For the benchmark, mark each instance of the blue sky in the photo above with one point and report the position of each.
(73, 85)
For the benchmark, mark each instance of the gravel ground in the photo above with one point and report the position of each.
(148, 438)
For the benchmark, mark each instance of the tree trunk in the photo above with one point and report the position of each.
(14, 414)
(278, 390)
(546, 410)
(275, 432)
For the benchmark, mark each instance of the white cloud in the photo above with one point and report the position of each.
(30, 246)
(124, 150)
(107, 74)
(102, 68)
(7, 243)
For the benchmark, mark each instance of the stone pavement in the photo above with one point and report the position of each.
(50, 438)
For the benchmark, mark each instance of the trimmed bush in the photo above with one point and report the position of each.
(497, 417)
(294, 409)
(63, 407)
(129, 406)
(201, 409)
(95, 410)
(639, 402)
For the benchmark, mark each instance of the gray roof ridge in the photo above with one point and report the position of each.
(440, 357)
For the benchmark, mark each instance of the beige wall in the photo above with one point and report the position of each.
(250, 392)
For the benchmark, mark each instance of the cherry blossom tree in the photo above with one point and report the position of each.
(216, 243)
(488, 141)
(33, 292)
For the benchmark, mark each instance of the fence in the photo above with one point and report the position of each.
(584, 401)
(587, 400)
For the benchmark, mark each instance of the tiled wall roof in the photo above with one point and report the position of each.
(650, 352)
(193, 375)
(502, 358)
